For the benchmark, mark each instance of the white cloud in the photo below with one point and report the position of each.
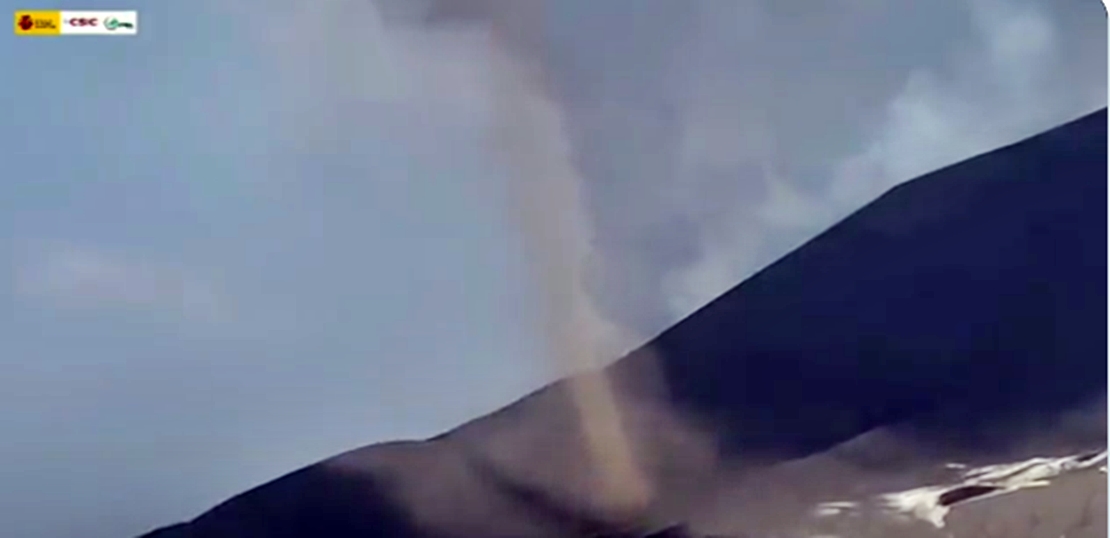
(995, 95)
(75, 277)
(993, 92)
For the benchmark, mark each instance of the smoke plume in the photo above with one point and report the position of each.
(712, 137)
(544, 194)
(661, 151)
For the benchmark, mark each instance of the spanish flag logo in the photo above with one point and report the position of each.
(38, 22)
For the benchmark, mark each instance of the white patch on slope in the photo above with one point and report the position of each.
(835, 508)
(924, 503)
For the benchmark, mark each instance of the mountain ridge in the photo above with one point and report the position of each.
(968, 300)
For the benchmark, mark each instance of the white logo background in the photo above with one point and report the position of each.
(102, 19)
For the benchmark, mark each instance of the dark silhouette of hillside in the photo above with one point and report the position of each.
(961, 312)
(979, 287)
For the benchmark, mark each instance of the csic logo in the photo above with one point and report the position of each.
(81, 22)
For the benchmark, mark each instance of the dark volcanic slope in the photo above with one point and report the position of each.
(980, 286)
(966, 307)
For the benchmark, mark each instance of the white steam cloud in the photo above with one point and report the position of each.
(711, 136)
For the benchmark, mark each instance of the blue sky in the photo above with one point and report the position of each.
(248, 239)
